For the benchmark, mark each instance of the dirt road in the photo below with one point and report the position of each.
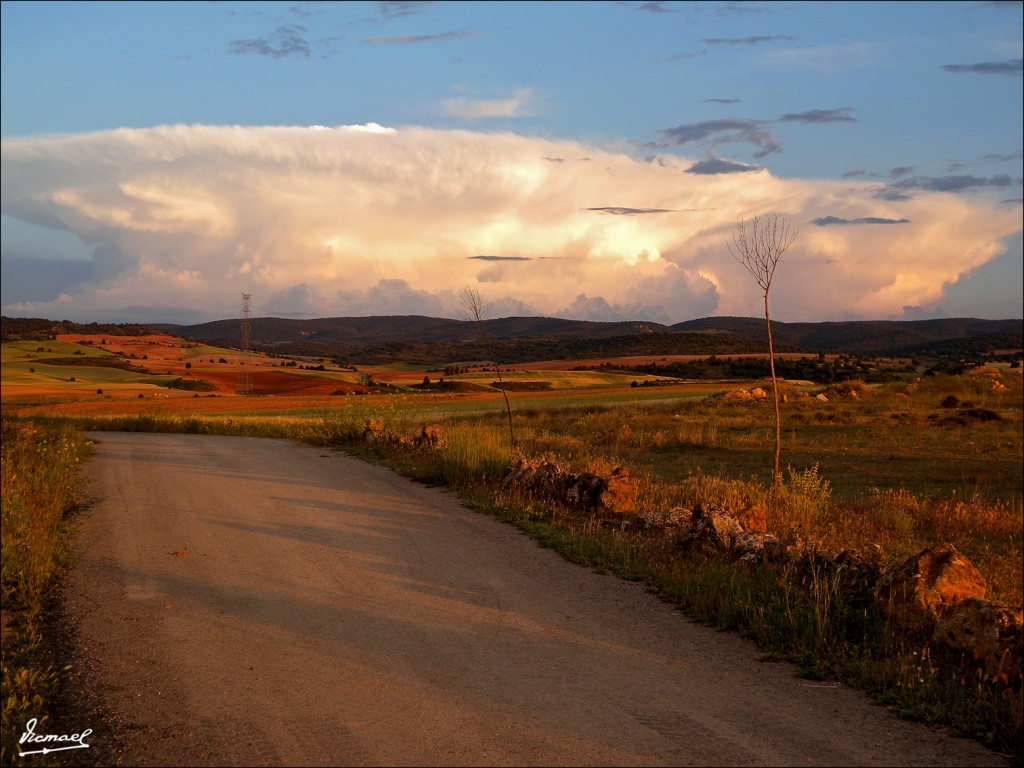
(259, 602)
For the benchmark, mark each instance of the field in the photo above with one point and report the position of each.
(889, 468)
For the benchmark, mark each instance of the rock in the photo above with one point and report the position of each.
(992, 633)
(917, 594)
(821, 396)
(430, 436)
(677, 517)
(752, 548)
(584, 490)
(713, 530)
(758, 394)
(374, 431)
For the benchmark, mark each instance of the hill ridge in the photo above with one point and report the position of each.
(422, 338)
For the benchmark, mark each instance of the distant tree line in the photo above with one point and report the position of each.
(527, 349)
(34, 328)
(817, 369)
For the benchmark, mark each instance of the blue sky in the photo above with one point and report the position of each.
(580, 159)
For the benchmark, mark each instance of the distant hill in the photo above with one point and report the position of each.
(36, 328)
(416, 338)
(420, 339)
(872, 337)
(392, 328)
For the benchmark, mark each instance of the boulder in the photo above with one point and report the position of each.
(917, 594)
(990, 632)
(677, 517)
(713, 530)
(584, 490)
(430, 436)
(752, 548)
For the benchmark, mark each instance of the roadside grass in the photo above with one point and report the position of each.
(887, 472)
(39, 493)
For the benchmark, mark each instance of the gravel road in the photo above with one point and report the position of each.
(242, 601)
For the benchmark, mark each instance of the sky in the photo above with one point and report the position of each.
(585, 160)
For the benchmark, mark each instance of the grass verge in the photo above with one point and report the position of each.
(39, 493)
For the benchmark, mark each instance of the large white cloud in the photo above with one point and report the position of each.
(361, 220)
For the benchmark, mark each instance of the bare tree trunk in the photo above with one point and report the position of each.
(473, 309)
(775, 394)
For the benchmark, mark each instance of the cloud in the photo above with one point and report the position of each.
(23, 279)
(349, 221)
(515, 105)
(732, 130)
(500, 258)
(841, 115)
(995, 157)
(286, 40)
(1011, 67)
(745, 40)
(716, 165)
(825, 221)
(300, 300)
(722, 101)
(825, 58)
(955, 183)
(628, 211)
(437, 38)
(396, 9)
(689, 132)
(656, 6)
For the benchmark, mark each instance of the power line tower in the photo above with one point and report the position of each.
(244, 384)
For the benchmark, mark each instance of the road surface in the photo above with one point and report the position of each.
(260, 602)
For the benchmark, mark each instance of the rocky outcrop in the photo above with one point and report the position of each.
(936, 595)
(991, 633)
(431, 436)
(753, 548)
(615, 493)
(922, 590)
(713, 530)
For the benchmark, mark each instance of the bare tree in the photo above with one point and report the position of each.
(473, 309)
(758, 245)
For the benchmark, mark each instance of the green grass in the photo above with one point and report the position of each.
(25, 351)
(81, 378)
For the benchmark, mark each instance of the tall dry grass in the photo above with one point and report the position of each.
(38, 491)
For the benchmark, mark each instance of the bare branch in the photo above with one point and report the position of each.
(759, 244)
(474, 310)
